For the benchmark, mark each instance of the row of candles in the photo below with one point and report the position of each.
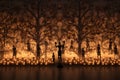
(92, 61)
(25, 61)
(68, 61)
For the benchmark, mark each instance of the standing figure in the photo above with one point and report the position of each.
(14, 51)
(53, 57)
(38, 51)
(28, 45)
(87, 45)
(115, 49)
(60, 48)
(110, 44)
(83, 53)
(71, 46)
(98, 51)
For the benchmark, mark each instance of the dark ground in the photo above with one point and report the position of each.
(65, 73)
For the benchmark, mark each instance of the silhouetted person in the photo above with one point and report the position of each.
(83, 53)
(98, 51)
(110, 44)
(14, 51)
(60, 48)
(63, 47)
(71, 45)
(53, 57)
(28, 45)
(115, 49)
(87, 45)
(38, 50)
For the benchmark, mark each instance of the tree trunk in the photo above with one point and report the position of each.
(79, 43)
(38, 44)
(38, 37)
(79, 28)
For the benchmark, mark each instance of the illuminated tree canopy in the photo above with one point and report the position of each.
(39, 24)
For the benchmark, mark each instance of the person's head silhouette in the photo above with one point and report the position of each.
(63, 42)
(59, 43)
(13, 46)
(82, 48)
(98, 45)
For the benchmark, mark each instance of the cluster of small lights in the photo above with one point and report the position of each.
(68, 58)
(67, 61)
(25, 61)
(92, 61)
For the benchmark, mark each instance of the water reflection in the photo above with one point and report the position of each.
(53, 73)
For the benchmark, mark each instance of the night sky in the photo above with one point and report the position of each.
(100, 3)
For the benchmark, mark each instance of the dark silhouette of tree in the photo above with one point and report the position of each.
(40, 20)
(33, 10)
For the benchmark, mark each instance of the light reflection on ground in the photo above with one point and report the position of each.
(53, 73)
